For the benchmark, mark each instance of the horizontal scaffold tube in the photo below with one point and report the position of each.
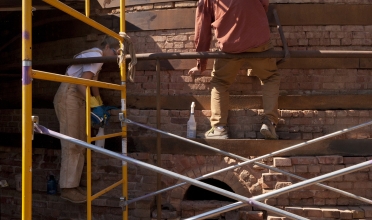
(195, 55)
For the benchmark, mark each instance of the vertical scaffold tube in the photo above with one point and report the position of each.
(89, 153)
(87, 8)
(158, 139)
(27, 125)
(123, 76)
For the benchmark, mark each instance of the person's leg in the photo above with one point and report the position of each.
(72, 156)
(266, 70)
(223, 75)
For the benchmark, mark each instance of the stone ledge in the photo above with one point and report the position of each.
(255, 147)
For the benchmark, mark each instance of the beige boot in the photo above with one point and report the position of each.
(73, 195)
(82, 191)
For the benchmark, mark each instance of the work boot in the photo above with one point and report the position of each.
(82, 191)
(268, 130)
(219, 132)
(73, 195)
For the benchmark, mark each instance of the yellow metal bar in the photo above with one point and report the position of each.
(27, 124)
(100, 193)
(83, 18)
(89, 154)
(87, 8)
(68, 79)
(106, 136)
(123, 108)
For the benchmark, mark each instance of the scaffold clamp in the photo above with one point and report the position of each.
(123, 203)
(123, 120)
(35, 120)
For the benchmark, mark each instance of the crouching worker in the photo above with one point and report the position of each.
(69, 104)
(239, 26)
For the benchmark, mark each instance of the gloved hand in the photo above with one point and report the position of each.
(95, 101)
(99, 100)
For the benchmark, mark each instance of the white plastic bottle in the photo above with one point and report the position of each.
(100, 143)
(191, 124)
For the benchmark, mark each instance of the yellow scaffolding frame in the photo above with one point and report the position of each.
(27, 120)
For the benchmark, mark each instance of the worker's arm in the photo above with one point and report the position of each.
(203, 34)
(95, 90)
(82, 88)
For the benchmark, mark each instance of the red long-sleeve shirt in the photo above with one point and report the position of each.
(239, 25)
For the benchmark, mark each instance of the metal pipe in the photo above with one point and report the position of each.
(123, 95)
(26, 109)
(69, 79)
(217, 54)
(43, 130)
(286, 189)
(88, 152)
(282, 38)
(63, 7)
(158, 139)
(246, 161)
(317, 184)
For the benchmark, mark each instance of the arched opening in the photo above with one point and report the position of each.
(196, 193)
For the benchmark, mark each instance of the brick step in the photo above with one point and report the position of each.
(289, 102)
(252, 147)
(329, 213)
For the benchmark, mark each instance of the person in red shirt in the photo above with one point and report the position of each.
(239, 26)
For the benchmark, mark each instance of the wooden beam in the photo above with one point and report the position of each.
(164, 19)
(289, 14)
(116, 3)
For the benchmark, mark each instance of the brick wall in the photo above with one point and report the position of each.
(312, 201)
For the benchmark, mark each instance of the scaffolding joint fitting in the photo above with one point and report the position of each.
(123, 120)
(35, 120)
(123, 203)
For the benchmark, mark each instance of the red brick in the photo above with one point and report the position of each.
(367, 211)
(282, 162)
(356, 177)
(304, 160)
(345, 213)
(300, 169)
(363, 185)
(353, 160)
(331, 213)
(313, 212)
(357, 212)
(295, 210)
(330, 159)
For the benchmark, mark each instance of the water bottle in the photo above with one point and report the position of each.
(100, 143)
(191, 124)
(51, 185)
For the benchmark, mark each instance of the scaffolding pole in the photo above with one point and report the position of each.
(27, 129)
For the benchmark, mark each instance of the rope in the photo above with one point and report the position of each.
(128, 48)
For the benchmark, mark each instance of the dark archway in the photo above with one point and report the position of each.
(197, 193)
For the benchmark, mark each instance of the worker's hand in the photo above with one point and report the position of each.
(100, 102)
(94, 102)
(194, 70)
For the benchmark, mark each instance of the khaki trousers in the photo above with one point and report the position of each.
(69, 105)
(223, 75)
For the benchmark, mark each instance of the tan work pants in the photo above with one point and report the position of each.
(69, 105)
(223, 75)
